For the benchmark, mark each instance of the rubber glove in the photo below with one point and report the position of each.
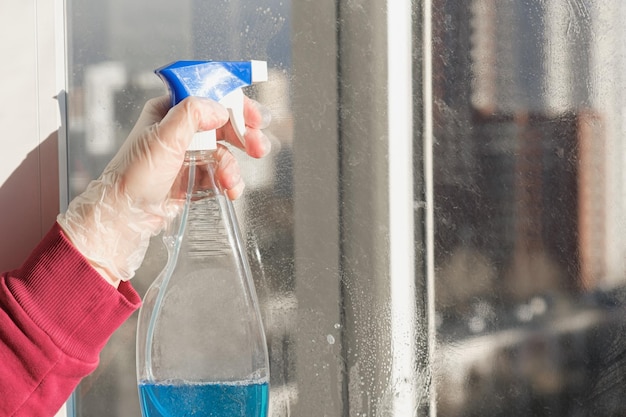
(112, 221)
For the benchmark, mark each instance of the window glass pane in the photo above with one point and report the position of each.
(113, 48)
(529, 206)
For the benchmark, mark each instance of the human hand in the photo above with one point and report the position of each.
(112, 221)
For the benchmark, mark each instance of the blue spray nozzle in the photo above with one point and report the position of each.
(217, 80)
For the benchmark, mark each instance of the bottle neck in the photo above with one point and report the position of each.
(197, 176)
(199, 155)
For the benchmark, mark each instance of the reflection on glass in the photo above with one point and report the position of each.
(113, 48)
(529, 207)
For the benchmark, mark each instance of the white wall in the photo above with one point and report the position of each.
(29, 119)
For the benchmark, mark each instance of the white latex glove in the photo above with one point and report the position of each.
(112, 221)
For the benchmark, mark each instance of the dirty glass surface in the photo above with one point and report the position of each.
(528, 120)
(518, 154)
(113, 48)
(316, 212)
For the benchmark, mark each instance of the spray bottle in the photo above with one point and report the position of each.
(201, 347)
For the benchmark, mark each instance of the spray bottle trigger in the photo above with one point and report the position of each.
(233, 101)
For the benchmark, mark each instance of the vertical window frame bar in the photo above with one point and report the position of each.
(401, 225)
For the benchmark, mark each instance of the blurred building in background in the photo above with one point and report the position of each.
(529, 194)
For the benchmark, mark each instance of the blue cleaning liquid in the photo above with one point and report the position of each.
(204, 400)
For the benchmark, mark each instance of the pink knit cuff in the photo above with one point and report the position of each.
(68, 299)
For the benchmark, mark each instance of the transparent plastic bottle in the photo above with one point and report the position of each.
(201, 347)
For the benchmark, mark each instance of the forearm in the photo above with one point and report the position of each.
(56, 314)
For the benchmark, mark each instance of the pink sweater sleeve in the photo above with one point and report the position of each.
(56, 314)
